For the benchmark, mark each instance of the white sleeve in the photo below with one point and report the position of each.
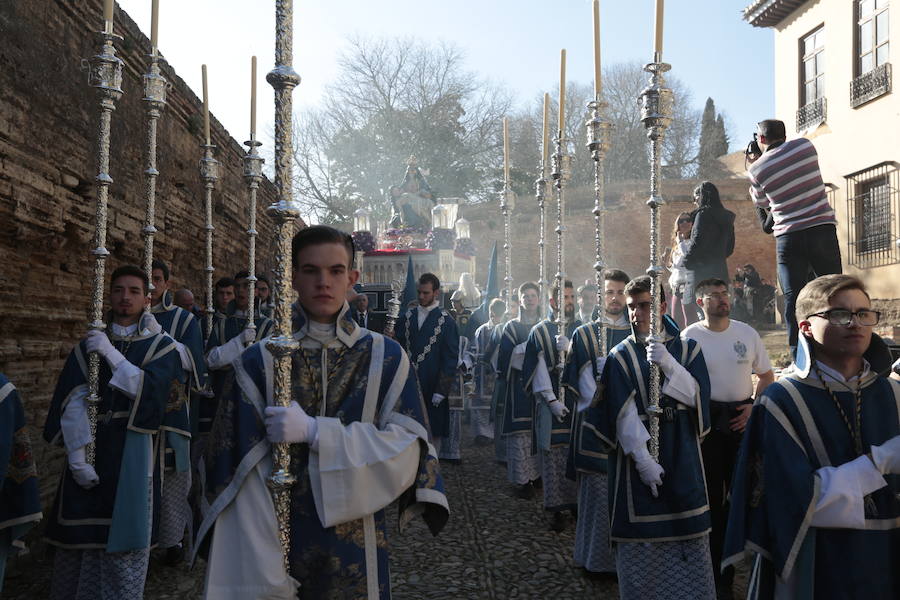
(222, 356)
(587, 387)
(542, 382)
(76, 430)
(631, 433)
(518, 357)
(186, 363)
(681, 386)
(126, 378)
(840, 503)
(359, 469)
(465, 353)
(761, 362)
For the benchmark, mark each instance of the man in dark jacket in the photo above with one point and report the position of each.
(712, 237)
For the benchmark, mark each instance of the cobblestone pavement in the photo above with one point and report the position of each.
(494, 546)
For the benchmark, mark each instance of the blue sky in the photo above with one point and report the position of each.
(515, 43)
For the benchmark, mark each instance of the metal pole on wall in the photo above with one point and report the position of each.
(155, 86)
(599, 132)
(284, 212)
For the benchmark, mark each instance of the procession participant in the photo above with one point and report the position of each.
(587, 303)
(429, 335)
(264, 296)
(552, 423)
(182, 327)
(733, 352)
(359, 441)
(229, 336)
(104, 516)
(484, 355)
(458, 400)
(20, 501)
(660, 528)
(224, 293)
(523, 468)
(816, 483)
(587, 452)
(184, 298)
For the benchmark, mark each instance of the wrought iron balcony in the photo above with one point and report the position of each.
(811, 115)
(871, 85)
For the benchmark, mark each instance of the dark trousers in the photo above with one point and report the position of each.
(802, 256)
(719, 449)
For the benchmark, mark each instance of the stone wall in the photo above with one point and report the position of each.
(627, 230)
(48, 121)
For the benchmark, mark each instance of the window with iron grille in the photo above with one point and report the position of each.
(812, 51)
(873, 207)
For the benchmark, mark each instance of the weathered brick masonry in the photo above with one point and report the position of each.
(48, 121)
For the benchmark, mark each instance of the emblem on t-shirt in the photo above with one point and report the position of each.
(740, 349)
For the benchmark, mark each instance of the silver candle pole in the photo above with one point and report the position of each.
(284, 211)
(599, 134)
(253, 163)
(209, 173)
(540, 194)
(559, 175)
(507, 202)
(106, 76)
(155, 86)
(656, 115)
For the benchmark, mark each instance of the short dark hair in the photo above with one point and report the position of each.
(554, 291)
(616, 275)
(158, 264)
(497, 306)
(706, 284)
(264, 279)
(432, 279)
(241, 275)
(528, 285)
(321, 234)
(643, 284)
(131, 270)
(224, 282)
(772, 129)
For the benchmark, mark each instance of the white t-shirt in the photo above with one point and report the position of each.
(731, 357)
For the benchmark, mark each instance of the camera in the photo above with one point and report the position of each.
(753, 150)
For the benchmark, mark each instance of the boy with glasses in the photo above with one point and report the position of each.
(815, 492)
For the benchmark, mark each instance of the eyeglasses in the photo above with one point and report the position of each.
(843, 317)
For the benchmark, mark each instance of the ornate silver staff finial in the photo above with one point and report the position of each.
(507, 203)
(656, 115)
(540, 194)
(393, 307)
(560, 175)
(106, 76)
(155, 87)
(599, 135)
(284, 212)
(253, 163)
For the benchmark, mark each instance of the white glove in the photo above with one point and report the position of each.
(648, 470)
(657, 353)
(558, 409)
(887, 456)
(436, 399)
(83, 473)
(290, 425)
(150, 324)
(562, 343)
(248, 336)
(97, 341)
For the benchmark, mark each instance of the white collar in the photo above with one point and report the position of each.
(621, 320)
(124, 330)
(836, 376)
(429, 308)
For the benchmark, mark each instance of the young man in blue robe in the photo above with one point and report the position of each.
(816, 489)
(587, 462)
(182, 327)
(484, 356)
(429, 335)
(522, 465)
(230, 335)
(359, 441)
(20, 501)
(552, 422)
(660, 527)
(104, 517)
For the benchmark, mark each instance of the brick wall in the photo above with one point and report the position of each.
(48, 120)
(627, 229)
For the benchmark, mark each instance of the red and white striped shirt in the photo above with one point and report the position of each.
(786, 180)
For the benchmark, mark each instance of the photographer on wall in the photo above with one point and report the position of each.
(786, 185)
